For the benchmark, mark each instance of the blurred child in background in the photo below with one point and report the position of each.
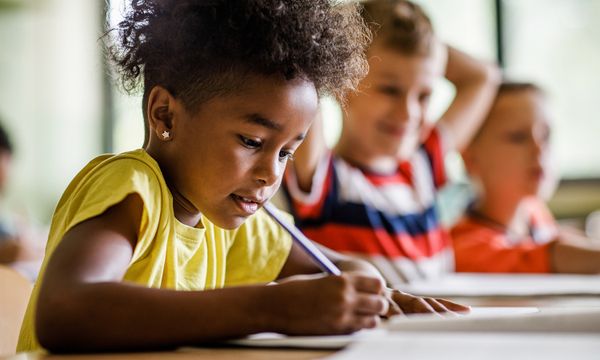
(373, 194)
(21, 245)
(509, 228)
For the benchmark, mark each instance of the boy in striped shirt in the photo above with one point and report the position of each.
(373, 194)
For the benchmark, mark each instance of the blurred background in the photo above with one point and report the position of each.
(61, 107)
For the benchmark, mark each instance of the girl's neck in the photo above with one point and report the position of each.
(183, 209)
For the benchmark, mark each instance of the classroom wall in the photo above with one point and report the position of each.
(50, 95)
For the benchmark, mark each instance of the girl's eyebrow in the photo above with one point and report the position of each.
(262, 121)
(269, 124)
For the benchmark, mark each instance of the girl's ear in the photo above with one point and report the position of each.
(162, 107)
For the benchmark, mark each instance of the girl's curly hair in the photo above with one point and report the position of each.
(198, 49)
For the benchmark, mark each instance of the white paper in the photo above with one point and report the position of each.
(274, 340)
(466, 284)
(501, 311)
(581, 320)
(474, 346)
(418, 322)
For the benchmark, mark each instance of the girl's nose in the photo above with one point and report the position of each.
(269, 170)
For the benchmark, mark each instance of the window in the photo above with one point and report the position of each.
(557, 45)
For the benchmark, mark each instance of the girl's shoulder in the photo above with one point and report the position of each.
(114, 175)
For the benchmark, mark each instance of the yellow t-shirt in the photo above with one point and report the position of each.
(168, 254)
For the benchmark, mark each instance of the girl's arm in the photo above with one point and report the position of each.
(308, 155)
(84, 305)
(476, 84)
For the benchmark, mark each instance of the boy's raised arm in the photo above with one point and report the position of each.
(308, 155)
(476, 84)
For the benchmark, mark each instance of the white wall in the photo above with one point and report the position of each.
(50, 95)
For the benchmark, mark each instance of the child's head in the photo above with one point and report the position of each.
(386, 115)
(231, 87)
(509, 155)
(6, 150)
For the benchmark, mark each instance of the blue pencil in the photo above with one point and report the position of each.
(322, 261)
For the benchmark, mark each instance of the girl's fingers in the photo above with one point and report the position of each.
(367, 304)
(367, 284)
(411, 304)
(368, 322)
(415, 304)
(440, 307)
(454, 306)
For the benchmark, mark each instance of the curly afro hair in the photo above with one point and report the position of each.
(198, 49)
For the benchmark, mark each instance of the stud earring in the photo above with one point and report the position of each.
(165, 134)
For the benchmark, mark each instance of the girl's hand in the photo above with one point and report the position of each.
(410, 304)
(329, 304)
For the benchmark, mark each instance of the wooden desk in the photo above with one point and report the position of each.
(188, 354)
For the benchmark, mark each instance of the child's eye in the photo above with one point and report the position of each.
(517, 137)
(249, 143)
(286, 156)
(389, 90)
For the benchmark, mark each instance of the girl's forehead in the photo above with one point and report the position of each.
(265, 98)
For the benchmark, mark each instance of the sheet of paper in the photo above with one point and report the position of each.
(505, 285)
(474, 346)
(311, 342)
(338, 342)
(501, 311)
(565, 320)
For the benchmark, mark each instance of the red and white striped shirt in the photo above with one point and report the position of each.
(390, 220)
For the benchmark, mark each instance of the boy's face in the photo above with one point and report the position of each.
(229, 157)
(385, 117)
(510, 155)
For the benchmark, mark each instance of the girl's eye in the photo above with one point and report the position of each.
(249, 143)
(286, 156)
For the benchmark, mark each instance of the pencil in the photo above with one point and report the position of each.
(322, 261)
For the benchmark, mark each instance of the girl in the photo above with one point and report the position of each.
(230, 89)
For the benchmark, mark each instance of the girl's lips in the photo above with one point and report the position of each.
(248, 205)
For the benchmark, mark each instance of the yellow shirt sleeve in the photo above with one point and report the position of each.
(108, 186)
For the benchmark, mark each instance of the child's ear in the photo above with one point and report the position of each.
(161, 112)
